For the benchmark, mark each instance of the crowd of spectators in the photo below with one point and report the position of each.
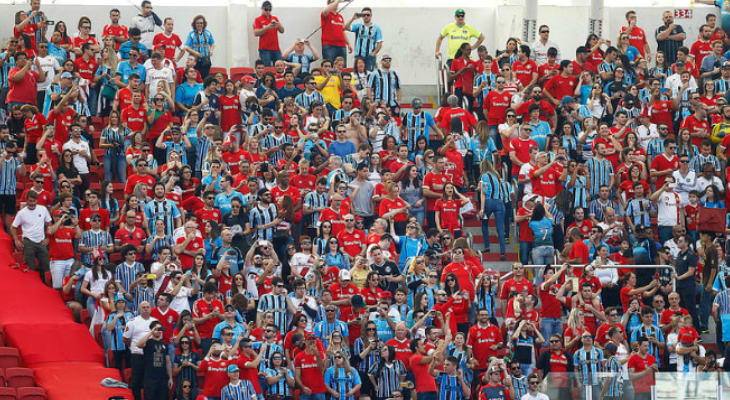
(296, 233)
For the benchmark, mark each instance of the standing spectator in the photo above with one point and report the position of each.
(11, 166)
(207, 313)
(49, 65)
(33, 219)
(637, 37)
(559, 364)
(169, 41)
(334, 39)
(310, 367)
(463, 71)
(135, 330)
(686, 264)
(146, 22)
(541, 46)
(200, 43)
(368, 37)
(524, 69)
(267, 28)
(721, 316)
(237, 389)
(588, 361)
(295, 54)
(81, 155)
(157, 363)
(114, 30)
(670, 37)
(60, 245)
(712, 64)
(457, 33)
(642, 366)
(22, 80)
(214, 368)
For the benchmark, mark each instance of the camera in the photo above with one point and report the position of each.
(66, 219)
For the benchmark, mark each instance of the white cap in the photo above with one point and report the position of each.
(345, 275)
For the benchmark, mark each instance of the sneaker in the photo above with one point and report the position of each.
(705, 331)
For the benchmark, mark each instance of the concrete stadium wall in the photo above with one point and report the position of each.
(409, 33)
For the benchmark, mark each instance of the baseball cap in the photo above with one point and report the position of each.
(175, 128)
(726, 64)
(610, 346)
(57, 213)
(94, 215)
(151, 277)
(310, 336)
(567, 100)
(357, 301)
(639, 228)
(416, 103)
(385, 295)
(119, 298)
(67, 75)
(459, 11)
(248, 79)
(266, 4)
(345, 275)
(232, 368)
(493, 369)
(582, 49)
(679, 63)
(386, 56)
(229, 307)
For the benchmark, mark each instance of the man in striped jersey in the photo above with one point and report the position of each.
(164, 209)
(450, 381)
(384, 86)
(368, 37)
(264, 216)
(7, 62)
(95, 239)
(653, 333)
(314, 203)
(419, 123)
(588, 363)
(310, 95)
(278, 303)
(237, 389)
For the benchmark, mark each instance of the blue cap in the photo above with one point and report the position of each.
(232, 368)
(567, 100)
(67, 75)
(119, 298)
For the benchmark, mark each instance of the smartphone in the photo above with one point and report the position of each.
(50, 22)
(574, 282)
(663, 90)
(161, 329)
(262, 243)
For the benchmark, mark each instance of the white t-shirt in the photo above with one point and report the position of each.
(80, 162)
(96, 286)
(311, 303)
(685, 184)
(668, 209)
(300, 261)
(646, 135)
(154, 76)
(134, 331)
(33, 222)
(180, 301)
(49, 65)
(539, 396)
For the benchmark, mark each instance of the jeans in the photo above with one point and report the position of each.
(269, 56)
(496, 207)
(420, 396)
(420, 215)
(664, 233)
(135, 381)
(332, 52)
(204, 70)
(155, 389)
(313, 396)
(688, 302)
(205, 344)
(549, 327)
(370, 63)
(430, 219)
(524, 250)
(92, 100)
(543, 255)
(706, 299)
(494, 134)
(115, 165)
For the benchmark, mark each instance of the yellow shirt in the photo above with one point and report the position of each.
(458, 35)
(331, 91)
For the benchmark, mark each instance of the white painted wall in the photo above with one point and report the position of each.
(409, 32)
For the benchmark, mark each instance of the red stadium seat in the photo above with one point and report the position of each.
(49, 278)
(2, 380)
(85, 317)
(97, 335)
(127, 375)
(347, 70)
(271, 69)
(9, 357)
(19, 377)
(238, 72)
(31, 393)
(7, 393)
(2, 337)
(214, 70)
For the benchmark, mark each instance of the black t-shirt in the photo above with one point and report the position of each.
(387, 269)
(155, 355)
(684, 262)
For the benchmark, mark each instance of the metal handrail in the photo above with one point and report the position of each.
(439, 84)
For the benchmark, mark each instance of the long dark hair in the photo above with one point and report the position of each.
(538, 213)
(381, 361)
(406, 180)
(179, 391)
(447, 288)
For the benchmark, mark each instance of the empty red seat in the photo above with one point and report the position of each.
(2, 336)
(238, 72)
(19, 377)
(9, 357)
(31, 393)
(214, 70)
(7, 393)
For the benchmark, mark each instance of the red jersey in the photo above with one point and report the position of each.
(466, 80)
(696, 127)
(204, 215)
(60, 243)
(124, 98)
(548, 184)
(467, 119)
(691, 212)
(134, 118)
(78, 41)
(161, 121)
(195, 245)
(525, 231)
(333, 33)
(429, 181)
(169, 43)
(135, 237)
(524, 70)
(560, 87)
(45, 197)
(402, 350)
(546, 68)
(134, 179)
(424, 380)
(351, 241)
(521, 147)
(639, 364)
(662, 163)
(249, 373)
(168, 320)
(512, 285)
(270, 39)
(86, 69)
(337, 219)
(448, 214)
(308, 181)
(61, 123)
(661, 112)
(637, 38)
(700, 50)
(667, 315)
(34, 127)
(497, 105)
(340, 293)
(85, 218)
(466, 274)
(216, 376)
(590, 318)
(310, 372)
(481, 340)
(580, 249)
(454, 167)
(230, 112)
(201, 308)
(387, 205)
(551, 307)
(119, 30)
(23, 91)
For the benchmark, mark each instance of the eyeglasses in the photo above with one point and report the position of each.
(371, 329)
(460, 16)
(39, 181)
(278, 127)
(228, 334)
(515, 368)
(511, 116)
(330, 310)
(684, 161)
(450, 280)
(349, 220)
(534, 383)
(185, 342)
(309, 83)
(270, 331)
(433, 276)
(505, 69)
(280, 286)
(526, 129)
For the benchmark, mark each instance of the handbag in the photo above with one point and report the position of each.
(469, 210)
(205, 63)
(711, 219)
(109, 91)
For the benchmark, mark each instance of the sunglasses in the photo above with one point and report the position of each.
(554, 341)
(371, 329)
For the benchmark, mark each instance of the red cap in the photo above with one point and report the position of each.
(645, 113)
(386, 295)
(310, 336)
(248, 78)
(57, 213)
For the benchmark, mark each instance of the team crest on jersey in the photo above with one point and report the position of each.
(349, 290)
(463, 31)
(479, 333)
(195, 245)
